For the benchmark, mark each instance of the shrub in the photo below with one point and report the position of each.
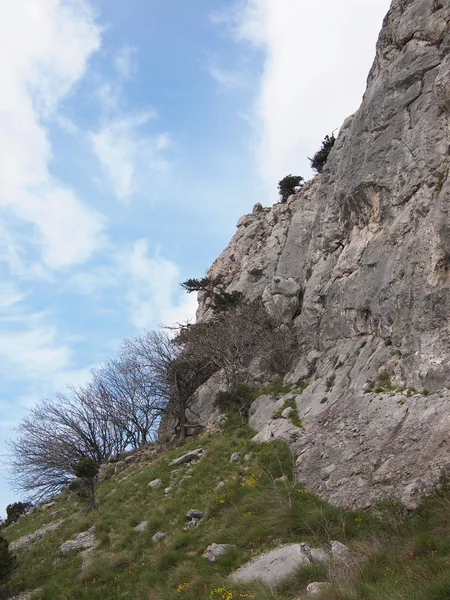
(288, 186)
(320, 158)
(86, 471)
(16, 510)
(7, 561)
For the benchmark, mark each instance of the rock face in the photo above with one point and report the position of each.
(357, 266)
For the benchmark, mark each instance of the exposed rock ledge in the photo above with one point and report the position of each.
(358, 266)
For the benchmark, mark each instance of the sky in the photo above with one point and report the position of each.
(133, 135)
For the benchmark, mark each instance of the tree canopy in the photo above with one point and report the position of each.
(289, 185)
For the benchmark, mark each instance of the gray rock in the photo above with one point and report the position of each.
(183, 481)
(194, 523)
(131, 459)
(57, 513)
(188, 457)
(274, 566)
(82, 541)
(214, 551)
(339, 551)
(119, 466)
(262, 411)
(159, 535)
(39, 533)
(235, 457)
(195, 514)
(104, 470)
(248, 457)
(220, 485)
(167, 490)
(287, 412)
(316, 588)
(279, 429)
(142, 526)
(156, 483)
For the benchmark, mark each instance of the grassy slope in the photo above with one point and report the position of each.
(397, 555)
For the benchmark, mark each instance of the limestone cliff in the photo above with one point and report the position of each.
(358, 265)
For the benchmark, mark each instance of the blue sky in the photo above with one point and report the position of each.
(133, 135)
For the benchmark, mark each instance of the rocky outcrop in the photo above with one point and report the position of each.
(82, 541)
(357, 265)
(36, 535)
(275, 566)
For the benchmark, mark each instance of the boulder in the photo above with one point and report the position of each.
(195, 514)
(339, 551)
(273, 567)
(156, 483)
(214, 551)
(188, 457)
(142, 526)
(82, 541)
(316, 588)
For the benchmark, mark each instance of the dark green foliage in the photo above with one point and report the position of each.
(320, 158)
(214, 290)
(7, 561)
(14, 511)
(237, 401)
(84, 486)
(86, 468)
(288, 186)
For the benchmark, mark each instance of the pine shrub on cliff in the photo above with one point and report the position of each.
(320, 158)
(289, 185)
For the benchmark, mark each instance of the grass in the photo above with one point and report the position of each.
(397, 554)
(293, 415)
(277, 387)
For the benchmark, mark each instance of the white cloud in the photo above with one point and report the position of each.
(129, 156)
(44, 49)
(225, 78)
(183, 313)
(317, 56)
(31, 347)
(124, 62)
(154, 295)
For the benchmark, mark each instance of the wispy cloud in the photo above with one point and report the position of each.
(129, 155)
(153, 280)
(32, 348)
(317, 55)
(125, 63)
(45, 49)
(226, 78)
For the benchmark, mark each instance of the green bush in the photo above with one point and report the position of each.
(320, 158)
(288, 186)
(16, 510)
(7, 561)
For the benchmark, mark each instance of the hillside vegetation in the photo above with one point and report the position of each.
(394, 554)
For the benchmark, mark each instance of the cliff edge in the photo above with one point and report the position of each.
(357, 264)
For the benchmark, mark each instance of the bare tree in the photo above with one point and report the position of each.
(119, 409)
(130, 395)
(54, 437)
(231, 339)
(174, 373)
